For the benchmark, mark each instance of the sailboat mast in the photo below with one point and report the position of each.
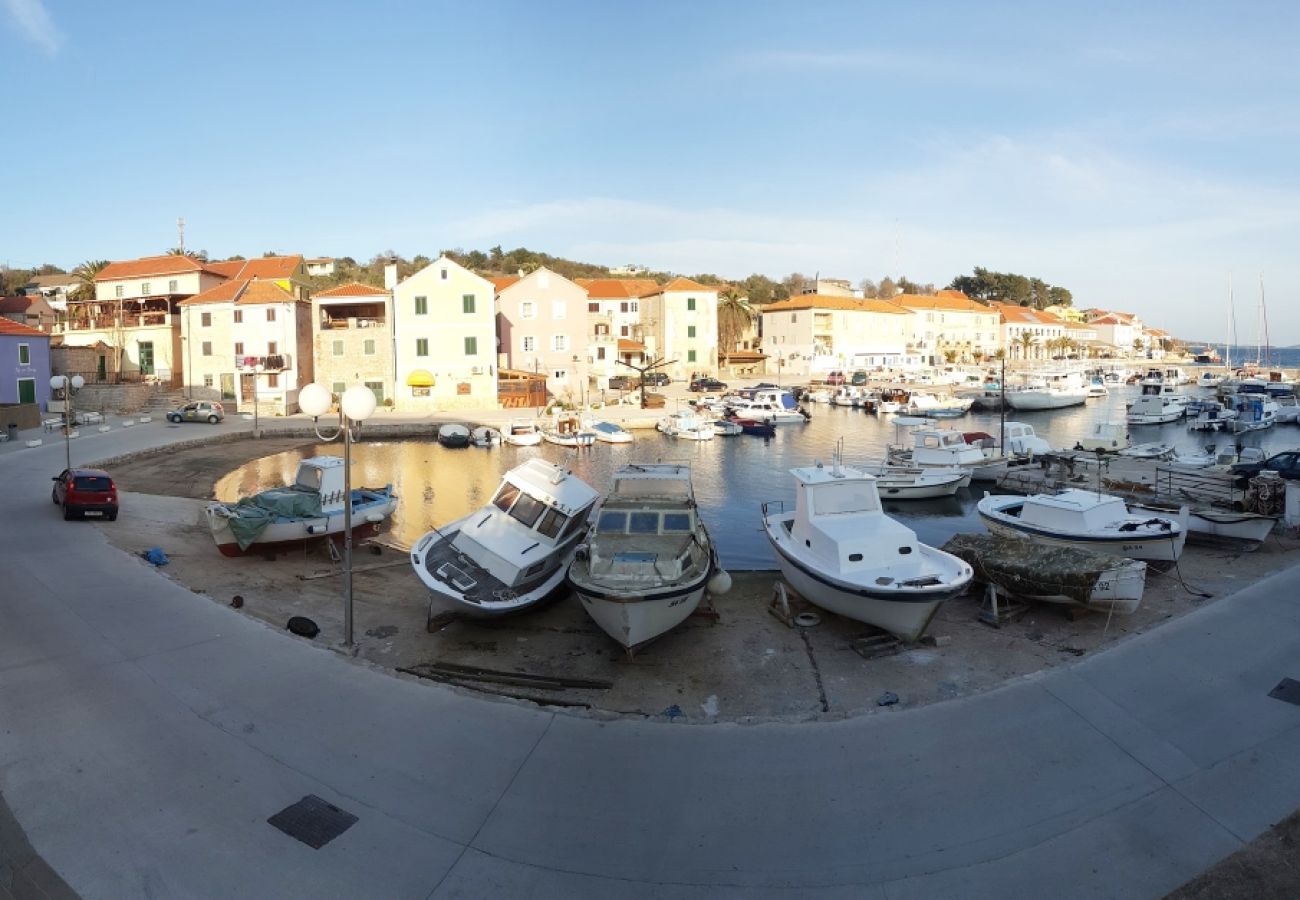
(1263, 322)
(1231, 336)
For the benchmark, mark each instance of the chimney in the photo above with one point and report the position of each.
(390, 276)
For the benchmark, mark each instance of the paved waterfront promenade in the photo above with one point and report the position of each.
(147, 733)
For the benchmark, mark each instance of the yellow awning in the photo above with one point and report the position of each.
(420, 378)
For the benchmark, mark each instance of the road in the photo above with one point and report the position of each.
(148, 733)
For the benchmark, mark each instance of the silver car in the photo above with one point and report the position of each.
(208, 411)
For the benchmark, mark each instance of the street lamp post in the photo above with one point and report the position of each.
(69, 386)
(355, 406)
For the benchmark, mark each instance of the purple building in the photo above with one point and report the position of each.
(24, 364)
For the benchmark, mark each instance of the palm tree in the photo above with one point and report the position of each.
(86, 272)
(200, 255)
(1027, 342)
(735, 316)
(1137, 346)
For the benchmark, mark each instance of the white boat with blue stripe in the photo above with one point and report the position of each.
(1088, 520)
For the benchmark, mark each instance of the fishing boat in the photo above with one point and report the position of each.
(1097, 388)
(1050, 390)
(726, 427)
(1088, 520)
(523, 433)
(649, 560)
(945, 449)
(611, 433)
(1067, 575)
(936, 407)
(915, 482)
(453, 435)
(512, 553)
(483, 436)
(311, 507)
(1210, 415)
(1149, 450)
(893, 400)
(1157, 404)
(770, 405)
(1020, 439)
(755, 427)
(1212, 525)
(1108, 437)
(1254, 413)
(687, 425)
(839, 550)
(568, 430)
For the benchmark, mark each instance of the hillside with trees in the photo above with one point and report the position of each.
(1004, 287)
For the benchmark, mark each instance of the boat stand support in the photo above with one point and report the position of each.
(706, 610)
(876, 644)
(997, 614)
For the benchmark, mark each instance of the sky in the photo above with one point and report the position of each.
(1141, 155)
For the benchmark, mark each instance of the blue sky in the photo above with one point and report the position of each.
(1138, 154)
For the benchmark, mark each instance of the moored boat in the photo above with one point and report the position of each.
(523, 433)
(568, 430)
(612, 433)
(839, 550)
(726, 427)
(512, 553)
(484, 436)
(916, 483)
(453, 435)
(687, 425)
(312, 507)
(1088, 520)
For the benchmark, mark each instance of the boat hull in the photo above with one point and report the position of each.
(1031, 400)
(368, 521)
(1163, 548)
(528, 439)
(633, 620)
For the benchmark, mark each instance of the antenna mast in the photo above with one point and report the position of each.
(180, 233)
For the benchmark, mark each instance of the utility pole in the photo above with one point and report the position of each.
(641, 370)
(180, 233)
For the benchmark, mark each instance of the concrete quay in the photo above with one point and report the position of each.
(147, 734)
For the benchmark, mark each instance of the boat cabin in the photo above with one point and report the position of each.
(1019, 438)
(839, 522)
(776, 398)
(538, 507)
(943, 447)
(1071, 511)
(322, 475)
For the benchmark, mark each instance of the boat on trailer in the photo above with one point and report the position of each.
(512, 553)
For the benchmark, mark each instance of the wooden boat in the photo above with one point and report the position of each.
(1052, 574)
(568, 431)
(1088, 520)
(453, 435)
(611, 433)
(649, 559)
(839, 550)
(310, 508)
(512, 553)
(1210, 525)
(523, 433)
(946, 449)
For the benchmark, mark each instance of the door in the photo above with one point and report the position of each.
(101, 368)
(247, 391)
(228, 386)
(27, 390)
(146, 357)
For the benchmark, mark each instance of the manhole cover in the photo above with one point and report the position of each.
(313, 821)
(1287, 689)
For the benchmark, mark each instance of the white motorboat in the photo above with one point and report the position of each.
(311, 507)
(726, 428)
(649, 559)
(846, 395)
(1067, 575)
(687, 425)
(946, 449)
(1288, 409)
(1255, 412)
(1108, 437)
(914, 482)
(1221, 526)
(926, 404)
(612, 433)
(1051, 390)
(821, 395)
(483, 436)
(1019, 438)
(512, 553)
(770, 405)
(1210, 379)
(1087, 520)
(1212, 416)
(839, 550)
(453, 435)
(1097, 388)
(523, 433)
(568, 430)
(1149, 450)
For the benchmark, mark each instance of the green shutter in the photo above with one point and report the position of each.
(421, 346)
(467, 303)
(690, 356)
(421, 306)
(690, 303)
(471, 346)
(690, 331)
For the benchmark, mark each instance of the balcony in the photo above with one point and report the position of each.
(333, 324)
(275, 362)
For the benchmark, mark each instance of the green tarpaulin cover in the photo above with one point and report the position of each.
(253, 514)
(1030, 569)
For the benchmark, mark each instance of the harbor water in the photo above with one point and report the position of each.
(733, 476)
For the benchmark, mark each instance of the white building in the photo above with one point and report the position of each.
(812, 335)
(542, 323)
(950, 324)
(1028, 333)
(680, 324)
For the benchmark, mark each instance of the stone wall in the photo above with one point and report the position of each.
(119, 398)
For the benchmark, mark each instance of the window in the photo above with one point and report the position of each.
(527, 310)
(612, 522)
(794, 317)
(690, 304)
(272, 348)
(376, 388)
(552, 522)
(633, 306)
(146, 289)
(119, 291)
(24, 355)
(677, 523)
(622, 307)
(602, 329)
(239, 350)
(643, 523)
(467, 303)
(270, 315)
(690, 331)
(239, 316)
(338, 388)
(471, 346)
(421, 306)
(505, 496)
(690, 356)
(593, 307)
(207, 348)
(421, 346)
(529, 344)
(273, 380)
(368, 348)
(444, 275)
(558, 309)
(560, 343)
(560, 375)
(600, 353)
(206, 320)
(527, 510)
(622, 331)
(172, 287)
(338, 348)
(207, 381)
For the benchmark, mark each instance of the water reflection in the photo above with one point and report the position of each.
(732, 476)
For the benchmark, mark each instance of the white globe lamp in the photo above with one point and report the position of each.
(314, 400)
(358, 403)
(56, 382)
(78, 382)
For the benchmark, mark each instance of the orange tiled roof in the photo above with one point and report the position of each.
(241, 291)
(226, 292)
(1027, 315)
(612, 288)
(9, 326)
(678, 285)
(1108, 319)
(824, 301)
(15, 304)
(229, 268)
(501, 282)
(149, 265)
(626, 346)
(271, 267)
(265, 292)
(353, 289)
(951, 300)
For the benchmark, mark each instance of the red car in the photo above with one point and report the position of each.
(90, 492)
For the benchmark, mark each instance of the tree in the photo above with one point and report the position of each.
(198, 255)
(1006, 287)
(887, 288)
(760, 290)
(1027, 342)
(735, 316)
(950, 356)
(84, 292)
(1059, 296)
(1137, 346)
(795, 284)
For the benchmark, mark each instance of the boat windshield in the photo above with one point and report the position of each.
(527, 509)
(845, 498)
(308, 478)
(506, 495)
(552, 522)
(643, 523)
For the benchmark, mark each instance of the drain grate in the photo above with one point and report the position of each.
(1287, 689)
(313, 821)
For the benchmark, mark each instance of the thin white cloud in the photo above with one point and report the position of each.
(802, 59)
(33, 20)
